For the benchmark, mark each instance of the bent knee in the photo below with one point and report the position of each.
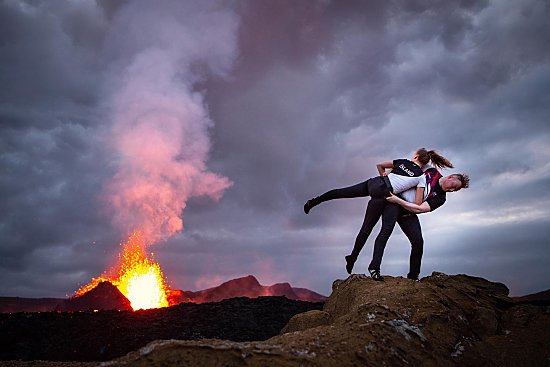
(386, 231)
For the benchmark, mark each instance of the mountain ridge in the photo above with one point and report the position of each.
(107, 297)
(249, 286)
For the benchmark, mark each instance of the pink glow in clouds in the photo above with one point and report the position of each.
(160, 125)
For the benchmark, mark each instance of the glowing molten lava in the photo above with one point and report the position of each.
(137, 277)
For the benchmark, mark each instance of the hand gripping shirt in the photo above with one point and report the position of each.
(405, 175)
(410, 194)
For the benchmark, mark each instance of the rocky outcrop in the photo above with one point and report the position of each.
(305, 294)
(440, 321)
(307, 320)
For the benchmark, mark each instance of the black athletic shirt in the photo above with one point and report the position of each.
(405, 167)
(437, 197)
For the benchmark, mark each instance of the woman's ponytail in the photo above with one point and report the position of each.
(438, 160)
(425, 156)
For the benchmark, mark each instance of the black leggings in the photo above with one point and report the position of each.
(390, 213)
(410, 225)
(377, 189)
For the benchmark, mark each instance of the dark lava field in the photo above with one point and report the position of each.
(104, 335)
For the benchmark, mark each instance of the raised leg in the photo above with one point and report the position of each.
(355, 191)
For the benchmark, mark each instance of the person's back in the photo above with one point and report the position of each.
(430, 174)
(405, 175)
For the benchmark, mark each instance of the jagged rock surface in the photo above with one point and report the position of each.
(440, 321)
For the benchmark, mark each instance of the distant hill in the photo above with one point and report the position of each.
(247, 286)
(107, 297)
(103, 297)
(542, 298)
(18, 304)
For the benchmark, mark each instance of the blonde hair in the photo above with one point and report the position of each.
(464, 179)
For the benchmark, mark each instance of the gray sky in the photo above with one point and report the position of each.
(261, 105)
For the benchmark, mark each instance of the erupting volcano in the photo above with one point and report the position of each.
(137, 276)
(159, 139)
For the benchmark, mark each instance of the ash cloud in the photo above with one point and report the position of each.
(160, 123)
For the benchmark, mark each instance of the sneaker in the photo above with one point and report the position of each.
(412, 276)
(350, 261)
(375, 274)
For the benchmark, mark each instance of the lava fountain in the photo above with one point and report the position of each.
(138, 277)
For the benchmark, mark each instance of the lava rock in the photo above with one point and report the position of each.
(104, 335)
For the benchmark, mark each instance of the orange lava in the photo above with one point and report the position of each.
(138, 277)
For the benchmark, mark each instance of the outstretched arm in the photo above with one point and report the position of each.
(382, 166)
(412, 207)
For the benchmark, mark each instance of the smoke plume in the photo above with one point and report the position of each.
(160, 123)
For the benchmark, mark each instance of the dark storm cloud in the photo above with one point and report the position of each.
(49, 61)
(51, 158)
(319, 93)
(381, 83)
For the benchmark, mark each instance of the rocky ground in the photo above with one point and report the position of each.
(440, 321)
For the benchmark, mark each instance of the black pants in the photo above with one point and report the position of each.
(376, 188)
(390, 213)
(410, 225)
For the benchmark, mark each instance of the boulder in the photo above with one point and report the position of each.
(306, 320)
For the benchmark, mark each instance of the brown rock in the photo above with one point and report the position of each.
(211, 352)
(484, 322)
(440, 321)
(307, 320)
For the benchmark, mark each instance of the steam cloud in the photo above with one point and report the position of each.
(160, 124)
